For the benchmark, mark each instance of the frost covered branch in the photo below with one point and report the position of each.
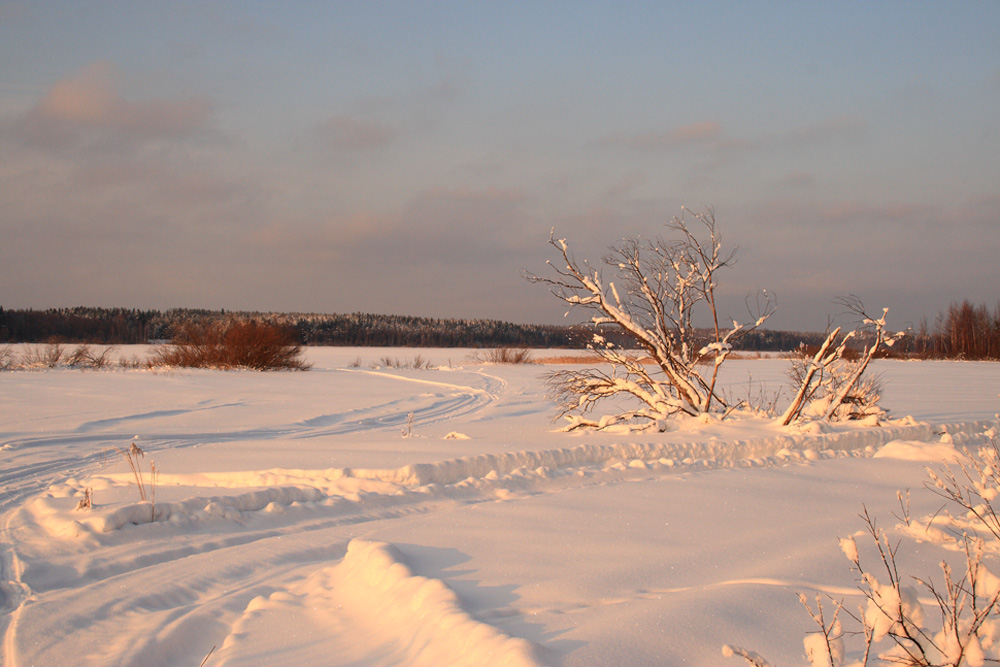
(751, 658)
(659, 288)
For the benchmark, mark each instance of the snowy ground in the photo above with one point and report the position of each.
(307, 518)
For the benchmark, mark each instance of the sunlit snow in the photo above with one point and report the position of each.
(376, 516)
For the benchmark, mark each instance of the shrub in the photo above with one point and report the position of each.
(85, 357)
(418, 363)
(238, 344)
(504, 355)
(7, 361)
(49, 356)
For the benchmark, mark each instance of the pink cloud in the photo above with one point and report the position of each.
(88, 105)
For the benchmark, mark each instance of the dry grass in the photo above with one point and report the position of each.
(585, 358)
(504, 355)
(55, 355)
(418, 362)
(568, 359)
(146, 485)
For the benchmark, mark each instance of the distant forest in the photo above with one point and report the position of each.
(122, 326)
(963, 331)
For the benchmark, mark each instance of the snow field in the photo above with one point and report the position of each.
(295, 522)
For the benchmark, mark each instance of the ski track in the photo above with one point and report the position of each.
(278, 510)
(451, 401)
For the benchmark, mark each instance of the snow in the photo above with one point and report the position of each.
(297, 522)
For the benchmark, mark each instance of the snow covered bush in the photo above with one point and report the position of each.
(832, 386)
(660, 288)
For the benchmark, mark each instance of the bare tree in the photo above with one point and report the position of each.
(662, 286)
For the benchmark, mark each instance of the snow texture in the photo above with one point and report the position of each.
(294, 524)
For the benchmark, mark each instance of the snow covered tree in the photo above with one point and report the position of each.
(661, 287)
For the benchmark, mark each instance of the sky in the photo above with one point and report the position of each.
(413, 158)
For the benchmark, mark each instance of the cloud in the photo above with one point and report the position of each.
(700, 133)
(88, 108)
(796, 179)
(446, 251)
(347, 133)
(838, 127)
(627, 184)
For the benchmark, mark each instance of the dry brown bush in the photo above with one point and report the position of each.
(237, 344)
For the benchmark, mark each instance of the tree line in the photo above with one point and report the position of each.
(963, 331)
(124, 326)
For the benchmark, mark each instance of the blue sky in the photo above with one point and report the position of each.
(412, 157)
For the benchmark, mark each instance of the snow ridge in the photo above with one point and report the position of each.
(426, 612)
(452, 471)
(367, 494)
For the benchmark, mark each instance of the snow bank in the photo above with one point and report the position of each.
(394, 616)
(909, 450)
(424, 614)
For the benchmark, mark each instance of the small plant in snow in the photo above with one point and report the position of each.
(756, 399)
(87, 502)
(824, 647)
(145, 485)
(408, 429)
